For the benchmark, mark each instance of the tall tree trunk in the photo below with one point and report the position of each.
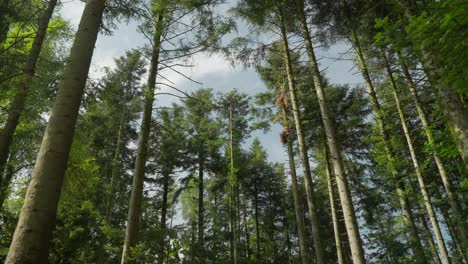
(431, 140)
(417, 168)
(453, 108)
(201, 210)
(308, 182)
(298, 205)
(30, 242)
(414, 239)
(352, 227)
(134, 211)
(247, 234)
(115, 167)
(331, 195)
(162, 249)
(257, 224)
(430, 239)
(7, 176)
(233, 183)
(19, 100)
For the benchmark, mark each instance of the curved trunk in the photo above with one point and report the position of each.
(134, 211)
(351, 224)
(19, 100)
(308, 182)
(30, 242)
(298, 205)
(414, 239)
(417, 168)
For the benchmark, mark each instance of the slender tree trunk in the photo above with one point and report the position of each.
(331, 195)
(115, 167)
(201, 210)
(308, 182)
(30, 242)
(134, 211)
(417, 168)
(247, 234)
(352, 227)
(414, 239)
(233, 183)
(298, 205)
(431, 140)
(430, 239)
(257, 225)
(162, 252)
(6, 179)
(449, 101)
(19, 100)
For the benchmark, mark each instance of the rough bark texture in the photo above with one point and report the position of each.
(414, 239)
(331, 195)
(298, 205)
(309, 185)
(352, 227)
(422, 185)
(30, 242)
(431, 140)
(134, 211)
(19, 100)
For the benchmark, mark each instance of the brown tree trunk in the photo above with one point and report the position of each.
(134, 211)
(257, 225)
(308, 182)
(417, 168)
(19, 100)
(414, 239)
(30, 242)
(351, 224)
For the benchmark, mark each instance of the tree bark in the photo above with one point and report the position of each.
(201, 210)
(162, 251)
(417, 168)
(298, 205)
(309, 185)
(115, 167)
(19, 100)
(449, 101)
(351, 224)
(331, 195)
(233, 183)
(257, 225)
(134, 211)
(431, 140)
(30, 242)
(6, 179)
(414, 239)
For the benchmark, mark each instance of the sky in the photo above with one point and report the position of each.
(212, 71)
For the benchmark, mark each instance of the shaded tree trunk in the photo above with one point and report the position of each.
(19, 100)
(414, 239)
(351, 224)
(298, 205)
(233, 183)
(134, 211)
(162, 249)
(431, 140)
(6, 177)
(257, 225)
(115, 167)
(30, 242)
(417, 168)
(201, 210)
(308, 182)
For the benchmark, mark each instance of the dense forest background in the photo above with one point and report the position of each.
(137, 160)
